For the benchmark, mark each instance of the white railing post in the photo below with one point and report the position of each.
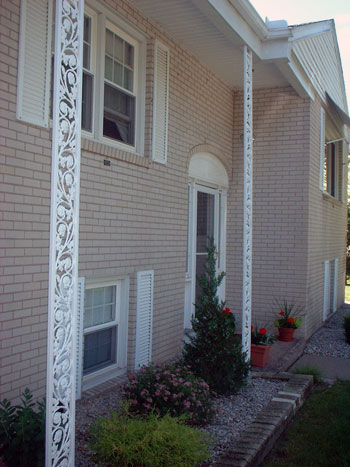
(64, 229)
(247, 200)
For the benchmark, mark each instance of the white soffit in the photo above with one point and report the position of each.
(207, 168)
(203, 32)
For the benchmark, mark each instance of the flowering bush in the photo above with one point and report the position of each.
(214, 352)
(172, 390)
(286, 320)
(261, 336)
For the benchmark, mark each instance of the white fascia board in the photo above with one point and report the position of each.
(296, 77)
(276, 49)
(239, 24)
(305, 31)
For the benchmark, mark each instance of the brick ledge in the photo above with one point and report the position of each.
(258, 439)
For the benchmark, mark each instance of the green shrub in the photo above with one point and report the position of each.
(309, 370)
(346, 326)
(169, 389)
(214, 352)
(151, 441)
(22, 432)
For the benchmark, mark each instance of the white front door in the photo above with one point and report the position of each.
(206, 219)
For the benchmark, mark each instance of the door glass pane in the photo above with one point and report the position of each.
(205, 220)
(205, 229)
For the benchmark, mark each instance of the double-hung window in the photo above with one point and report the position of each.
(330, 169)
(331, 158)
(119, 87)
(101, 326)
(113, 87)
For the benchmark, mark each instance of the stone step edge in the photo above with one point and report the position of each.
(258, 439)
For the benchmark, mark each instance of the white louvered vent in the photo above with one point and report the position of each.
(322, 146)
(144, 316)
(33, 87)
(326, 290)
(335, 285)
(160, 104)
(80, 336)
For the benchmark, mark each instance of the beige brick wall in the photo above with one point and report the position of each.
(280, 130)
(295, 227)
(326, 230)
(133, 212)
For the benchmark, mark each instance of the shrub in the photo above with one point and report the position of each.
(214, 352)
(169, 389)
(346, 326)
(151, 441)
(22, 432)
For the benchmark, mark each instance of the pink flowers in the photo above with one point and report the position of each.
(171, 389)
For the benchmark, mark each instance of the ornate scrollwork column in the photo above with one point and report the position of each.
(64, 229)
(247, 199)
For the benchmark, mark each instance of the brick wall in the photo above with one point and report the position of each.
(133, 212)
(280, 207)
(326, 230)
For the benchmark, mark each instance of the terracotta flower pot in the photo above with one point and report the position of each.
(260, 354)
(286, 334)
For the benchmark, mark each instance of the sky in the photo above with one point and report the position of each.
(306, 11)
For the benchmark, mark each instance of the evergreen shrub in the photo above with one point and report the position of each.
(214, 352)
(346, 326)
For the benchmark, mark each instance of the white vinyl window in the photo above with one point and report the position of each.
(102, 330)
(101, 323)
(113, 88)
(331, 162)
(120, 87)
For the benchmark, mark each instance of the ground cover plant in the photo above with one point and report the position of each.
(151, 441)
(309, 370)
(22, 432)
(214, 352)
(169, 389)
(319, 436)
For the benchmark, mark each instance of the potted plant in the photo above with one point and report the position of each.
(261, 342)
(288, 320)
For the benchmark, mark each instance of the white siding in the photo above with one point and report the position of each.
(319, 57)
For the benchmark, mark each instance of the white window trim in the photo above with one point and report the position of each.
(104, 374)
(108, 18)
(99, 14)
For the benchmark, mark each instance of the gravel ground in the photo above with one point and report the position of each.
(234, 415)
(329, 340)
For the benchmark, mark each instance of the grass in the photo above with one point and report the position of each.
(347, 293)
(309, 370)
(319, 436)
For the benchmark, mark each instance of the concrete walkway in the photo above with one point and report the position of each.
(330, 367)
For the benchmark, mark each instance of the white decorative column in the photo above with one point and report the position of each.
(64, 229)
(247, 199)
